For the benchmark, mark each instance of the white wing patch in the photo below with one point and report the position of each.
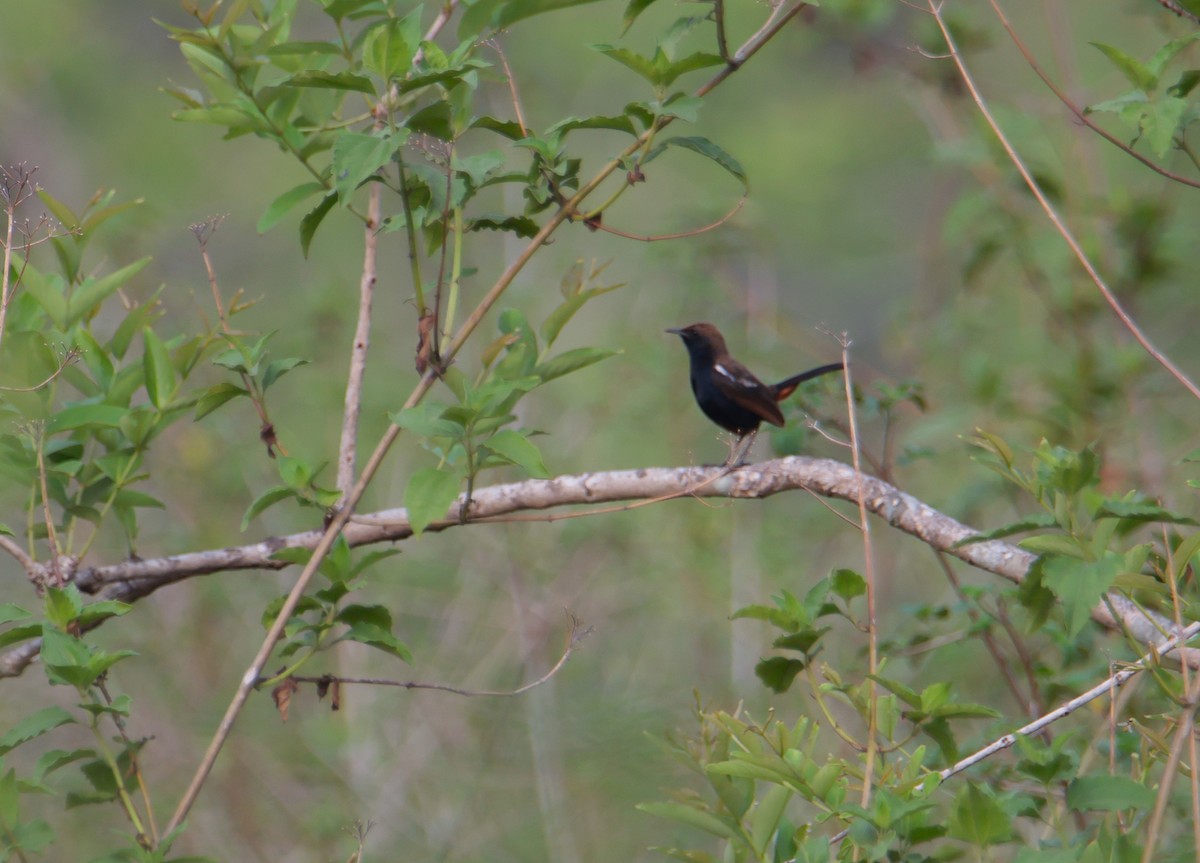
(728, 375)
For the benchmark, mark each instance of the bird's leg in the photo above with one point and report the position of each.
(739, 449)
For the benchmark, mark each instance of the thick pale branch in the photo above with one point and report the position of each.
(133, 579)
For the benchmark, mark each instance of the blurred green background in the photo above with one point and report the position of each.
(869, 187)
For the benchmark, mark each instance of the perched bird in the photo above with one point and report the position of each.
(729, 393)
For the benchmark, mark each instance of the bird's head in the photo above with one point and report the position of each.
(701, 338)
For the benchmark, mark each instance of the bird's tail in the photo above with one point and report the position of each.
(783, 389)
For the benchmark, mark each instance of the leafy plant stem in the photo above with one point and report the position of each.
(122, 793)
(455, 275)
(410, 232)
(352, 405)
(133, 760)
(39, 438)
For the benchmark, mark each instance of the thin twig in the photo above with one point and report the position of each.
(68, 359)
(8, 544)
(352, 410)
(935, 7)
(203, 232)
(1159, 650)
(574, 636)
(679, 235)
(872, 586)
(39, 435)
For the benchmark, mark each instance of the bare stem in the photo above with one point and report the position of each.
(348, 450)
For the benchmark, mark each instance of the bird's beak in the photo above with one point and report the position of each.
(674, 330)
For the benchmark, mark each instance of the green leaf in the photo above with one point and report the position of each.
(356, 157)
(518, 449)
(571, 361)
(1165, 54)
(1079, 585)
(63, 605)
(267, 499)
(428, 497)
(767, 815)
(1142, 511)
(667, 73)
(642, 66)
(333, 81)
(10, 612)
(215, 396)
(978, 819)
(88, 297)
(517, 10)
(46, 719)
(1134, 71)
(159, 372)
(312, 221)
(387, 51)
(847, 583)
(49, 291)
(692, 817)
(280, 207)
(632, 11)
(66, 659)
(1161, 121)
(278, 368)
(705, 148)
(778, 672)
(86, 416)
(1037, 521)
(1108, 794)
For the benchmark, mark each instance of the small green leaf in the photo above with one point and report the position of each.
(428, 497)
(692, 817)
(278, 368)
(10, 612)
(159, 372)
(63, 605)
(215, 396)
(88, 296)
(1079, 585)
(267, 499)
(386, 51)
(86, 416)
(632, 11)
(571, 361)
(705, 148)
(280, 207)
(46, 719)
(312, 221)
(978, 819)
(333, 81)
(357, 156)
(642, 66)
(518, 449)
(1108, 794)
(1134, 71)
(847, 583)
(779, 672)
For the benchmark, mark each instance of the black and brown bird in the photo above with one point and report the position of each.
(729, 393)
